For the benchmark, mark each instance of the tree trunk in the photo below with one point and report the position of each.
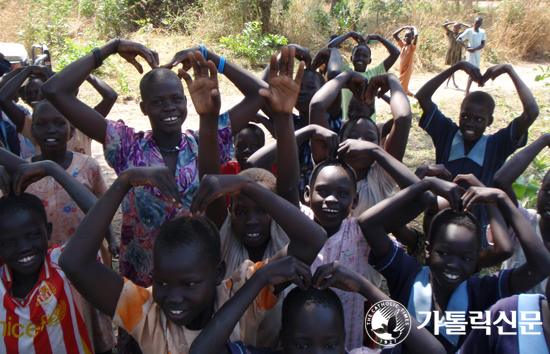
(468, 5)
(265, 9)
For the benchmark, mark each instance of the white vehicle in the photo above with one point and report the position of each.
(17, 55)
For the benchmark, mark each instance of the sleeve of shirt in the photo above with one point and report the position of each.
(345, 66)
(133, 308)
(436, 125)
(397, 268)
(464, 35)
(487, 290)
(385, 182)
(225, 137)
(118, 139)
(507, 140)
(484, 36)
(378, 69)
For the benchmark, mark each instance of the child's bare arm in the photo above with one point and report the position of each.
(398, 210)
(306, 237)
(267, 123)
(266, 156)
(9, 90)
(396, 33)
(60, 89)
(392, 49)
(424, 95)
(530, 107)
(108, 95)
(335, 43)
(337, 275)
(396, 141)
(10, 161)
(537, 266)
(213, 338)
(446, 25)
(246, 82)
(205, 95)
(502, 247)
(415, 32)
(98, 284)
(517, 164)
(283, 92)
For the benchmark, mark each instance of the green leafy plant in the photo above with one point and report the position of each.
(544, 74)
(251, 44)
(527, 186)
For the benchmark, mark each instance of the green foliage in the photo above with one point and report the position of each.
(492, 56)
(527, 186)
(347, 18)
(252, 45)
(544, 74)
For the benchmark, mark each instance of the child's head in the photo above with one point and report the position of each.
(24, 233)
(476, 114)
(331, 193)
(163, 101)
(356, 111)
(478, 22)
(32, 88)
(456, 27)
(409, 36)
(311, 83)
(250, 223)
(187, 267)
(248, 141)
(543, 198)
(360, 129)
(453, 247)
(361, 57)
(50, 129)
(314, 320)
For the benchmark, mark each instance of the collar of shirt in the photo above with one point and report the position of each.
(477, 154)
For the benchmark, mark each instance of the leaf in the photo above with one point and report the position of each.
(519, 190)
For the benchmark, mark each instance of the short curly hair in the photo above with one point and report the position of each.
(448, 217)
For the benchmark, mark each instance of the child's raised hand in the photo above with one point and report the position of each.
(5, 181)
(40, 71)
(481, 195)
(302, 54)
(158, 177)
(471, 70)
(357, 37)
(378, 86)
(438, 170)
(130, 50)
(447, 190)
(358, 85)
(181, 57)
(285, 270)
(337, 275)
(214, 186)
(322, 57)
(327, 139)
(283, 90)
(470, 179)
(29, 173)
(204, 89)
(353, 149)
(495, 71)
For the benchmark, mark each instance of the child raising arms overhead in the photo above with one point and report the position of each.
(463, 148)
(447, 283)
(408, 48)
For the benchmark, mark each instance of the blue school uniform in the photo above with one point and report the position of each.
(479, 342)
(408, 283)
(483, 161)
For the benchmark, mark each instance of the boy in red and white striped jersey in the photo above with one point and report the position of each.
(38, 312)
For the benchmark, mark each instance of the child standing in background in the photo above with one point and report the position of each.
(408, 48)
(476, 41)
(454, 49)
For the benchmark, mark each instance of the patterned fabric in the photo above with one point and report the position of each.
(48, 320)
(454, 49)
(137, 313)
(349, 247)
(145, 209)
(374, 188)
(61, 209)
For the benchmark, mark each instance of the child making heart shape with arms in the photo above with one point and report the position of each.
(447, 283)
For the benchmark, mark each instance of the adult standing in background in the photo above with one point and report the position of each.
(476, 41)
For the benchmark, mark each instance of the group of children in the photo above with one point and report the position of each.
(229, 245)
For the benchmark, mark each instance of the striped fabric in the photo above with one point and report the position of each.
(47, 321)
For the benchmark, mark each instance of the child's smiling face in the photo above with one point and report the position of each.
(165, 105)
(31, 91)
(248, 142)
(474, 119)
(184, 284)
(50, 129)
(24, 241)
(409, 36)
(332, 197)
(452, 257)
(251, 224)
(315, 329)
(361, 58)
